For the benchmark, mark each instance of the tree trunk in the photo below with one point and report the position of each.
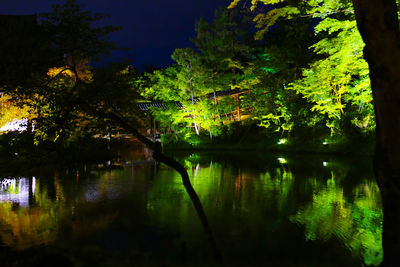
(377, 21)
(194, 116)
(160, 157)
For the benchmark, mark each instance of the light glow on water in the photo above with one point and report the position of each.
(16, 190)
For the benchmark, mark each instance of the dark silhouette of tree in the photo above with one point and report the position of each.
(378, 23)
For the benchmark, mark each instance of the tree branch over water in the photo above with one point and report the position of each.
(159, 156)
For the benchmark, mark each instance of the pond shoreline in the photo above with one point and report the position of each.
(286, 151)
(290, 149)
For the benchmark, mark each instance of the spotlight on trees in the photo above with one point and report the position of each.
(282, 141)
(282, 160)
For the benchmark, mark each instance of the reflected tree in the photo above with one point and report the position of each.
(358, 225)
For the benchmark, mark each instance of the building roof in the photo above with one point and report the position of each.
(144, 106)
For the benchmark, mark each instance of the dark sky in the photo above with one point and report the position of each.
(151, 29)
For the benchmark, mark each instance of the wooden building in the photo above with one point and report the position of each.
(151, 127)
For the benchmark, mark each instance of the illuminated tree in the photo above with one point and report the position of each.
(378, 24)
(183, 82)
(10, 112)
(274, 106)
(337, 83)
(226, 49)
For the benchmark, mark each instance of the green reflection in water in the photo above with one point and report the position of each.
(322, 206)
(357, 223)
(278, 186)
(255, 207)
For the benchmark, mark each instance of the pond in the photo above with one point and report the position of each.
(264, 210)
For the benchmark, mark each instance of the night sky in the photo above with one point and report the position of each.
(151, 29)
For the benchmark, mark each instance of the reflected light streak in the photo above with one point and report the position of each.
(16, 190)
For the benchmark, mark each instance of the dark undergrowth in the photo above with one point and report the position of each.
(17, 151)
(251, 137)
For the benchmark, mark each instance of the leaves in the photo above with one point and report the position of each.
(337, 82)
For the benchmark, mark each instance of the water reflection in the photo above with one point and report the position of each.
(34, 212)
(333, 202)
(26, 222)
(357, 223)
(263, 208)
(17, 190)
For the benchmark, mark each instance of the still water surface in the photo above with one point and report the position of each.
(264, 209)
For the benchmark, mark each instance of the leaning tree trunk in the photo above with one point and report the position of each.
(377, 21)
(160, 157)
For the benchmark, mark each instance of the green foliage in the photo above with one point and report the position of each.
(337, 81)
(319, 80)
(227, 50)
(224, 62)
(280, 117)
(274, 106)
(182, 82)
(160, 85)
